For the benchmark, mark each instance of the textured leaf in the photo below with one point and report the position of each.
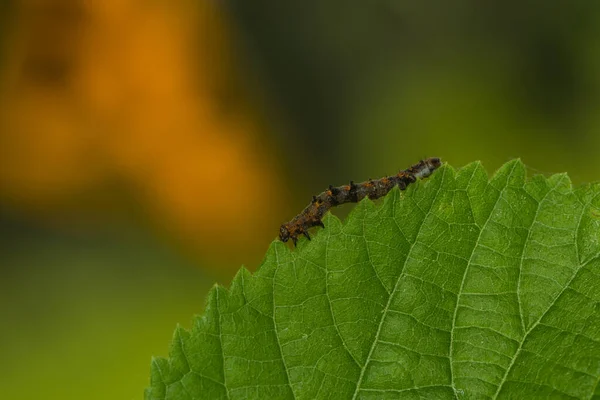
(459, 287)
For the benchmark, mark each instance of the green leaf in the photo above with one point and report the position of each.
(459, 287)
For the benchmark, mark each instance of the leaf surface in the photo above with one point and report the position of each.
(459, 287)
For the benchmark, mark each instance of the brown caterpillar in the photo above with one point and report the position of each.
(354, 192)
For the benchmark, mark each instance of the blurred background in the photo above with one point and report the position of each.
(149, 148)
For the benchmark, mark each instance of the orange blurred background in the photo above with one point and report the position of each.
(135, 170)
(109, 106)
(149, 148)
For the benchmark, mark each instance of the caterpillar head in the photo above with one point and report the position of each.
(284, 233)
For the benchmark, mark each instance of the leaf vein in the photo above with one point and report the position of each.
(460, 290)
(391, 296)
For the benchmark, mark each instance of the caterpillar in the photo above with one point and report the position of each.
(313, 214)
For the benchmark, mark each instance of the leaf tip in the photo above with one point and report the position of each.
(237, 283)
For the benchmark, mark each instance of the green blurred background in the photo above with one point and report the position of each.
(149, 148)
